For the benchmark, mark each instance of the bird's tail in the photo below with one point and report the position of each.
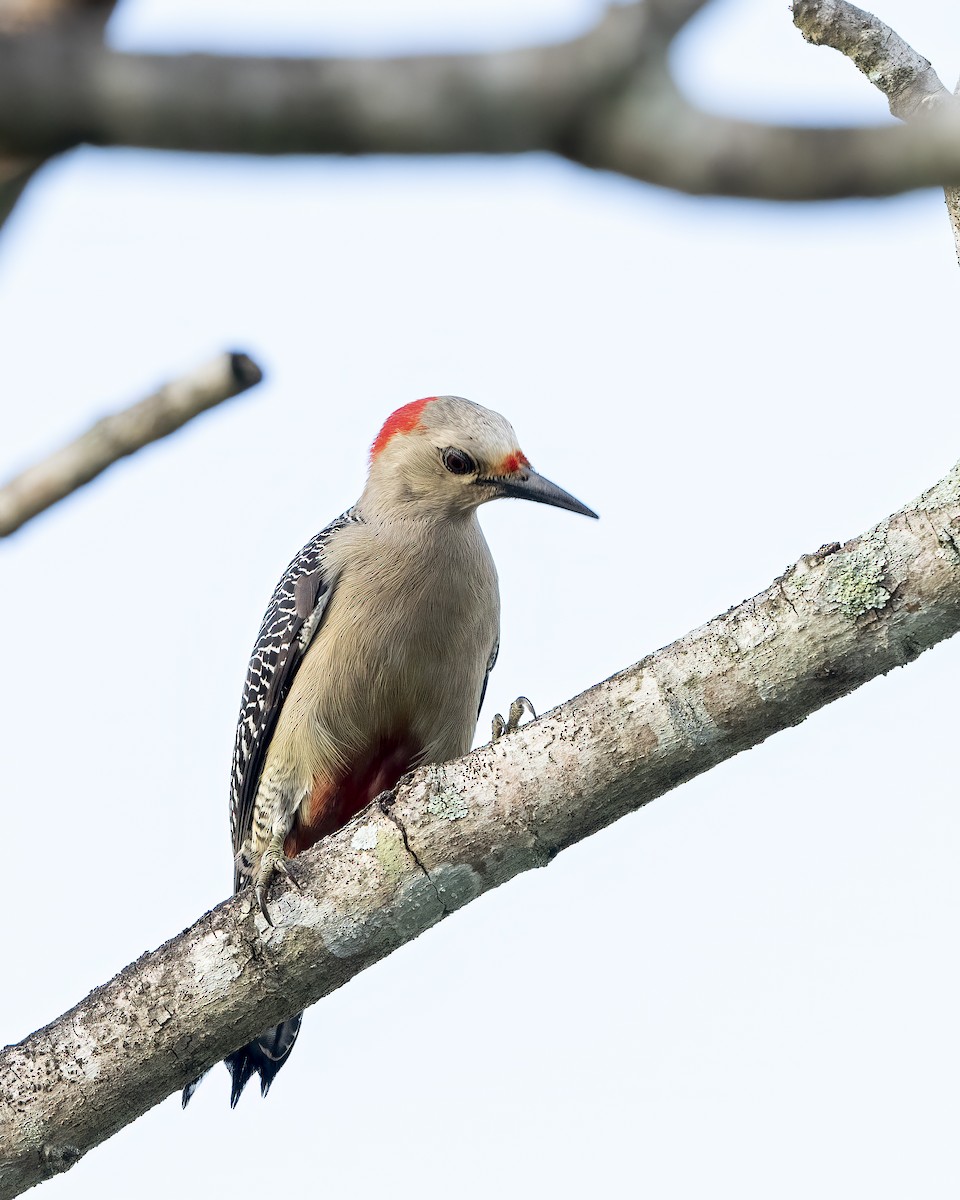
(264, 1056)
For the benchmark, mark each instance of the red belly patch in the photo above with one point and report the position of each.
(333, 802)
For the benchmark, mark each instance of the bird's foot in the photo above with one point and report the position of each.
(262, 868)
(517, 709)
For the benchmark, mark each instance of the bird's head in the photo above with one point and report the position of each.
(445, 455)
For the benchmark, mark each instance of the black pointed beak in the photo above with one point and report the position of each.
(530, 486)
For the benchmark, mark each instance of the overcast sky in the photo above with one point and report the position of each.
(748, 989)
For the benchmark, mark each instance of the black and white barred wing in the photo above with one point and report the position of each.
(289, 624)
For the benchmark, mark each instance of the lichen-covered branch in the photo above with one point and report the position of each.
(912, 87)
(833, 621)
(607, 100)
(114, 437)
(905, 77)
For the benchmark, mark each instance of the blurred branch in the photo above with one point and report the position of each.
(448, 833)
(83, 17)
(26, 16)
(15, 174)
(912, 87)
(63, 93)
(607, 100)
(122, 433)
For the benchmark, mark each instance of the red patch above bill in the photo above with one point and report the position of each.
(513, 462)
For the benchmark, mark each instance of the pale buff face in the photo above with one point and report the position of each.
(411, 467)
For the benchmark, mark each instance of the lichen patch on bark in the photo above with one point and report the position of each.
(854, 578)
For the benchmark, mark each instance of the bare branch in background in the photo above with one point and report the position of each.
(122, 433)
(87, 17)
(912, 87)
(496, 103)
(835, 620)
(607, 100)
(15, 174)
(26, 16)
(905, 77)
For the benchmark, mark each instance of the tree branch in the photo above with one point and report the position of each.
(65, 92)
(905, 77)
(122, 433)
(651, 133)
(25, 16)
(606, 100)
(912, 87)
(833, 621)
(15, 174)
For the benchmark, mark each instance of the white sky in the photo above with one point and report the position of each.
(750, 988)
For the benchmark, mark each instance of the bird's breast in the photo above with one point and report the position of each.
(393, 676)
(403, 648)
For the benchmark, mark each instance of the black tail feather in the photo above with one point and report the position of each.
(190, 1089)
(264, 1056)
(240, 1064)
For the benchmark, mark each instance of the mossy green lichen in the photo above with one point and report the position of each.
(392, 855)
(855, 578)
(448, 804)
(386, 842)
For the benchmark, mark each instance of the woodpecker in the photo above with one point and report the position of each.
(374, 653)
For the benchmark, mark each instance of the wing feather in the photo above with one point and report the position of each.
(491, 663)
(290, 623)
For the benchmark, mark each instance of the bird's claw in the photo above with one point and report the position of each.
(272, 862)
(517, 709)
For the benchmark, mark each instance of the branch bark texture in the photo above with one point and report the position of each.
(833, 621)
(122, 433)
(913, 89)
(607, 100)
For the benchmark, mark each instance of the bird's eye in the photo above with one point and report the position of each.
(457, 462)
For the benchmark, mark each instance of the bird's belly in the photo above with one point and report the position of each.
(386, 685)
(334, 800)
(403, 701)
